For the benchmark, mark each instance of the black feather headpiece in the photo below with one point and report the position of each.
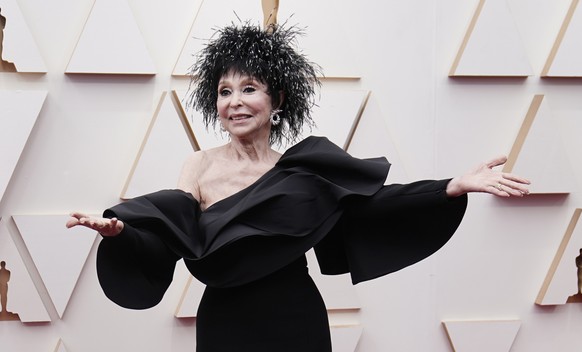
(271, 58)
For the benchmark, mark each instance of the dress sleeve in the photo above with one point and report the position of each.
(396, 227)
(136, 267)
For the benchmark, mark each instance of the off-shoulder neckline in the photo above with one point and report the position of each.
(285, 154)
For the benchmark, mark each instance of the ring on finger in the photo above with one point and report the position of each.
(499, 187)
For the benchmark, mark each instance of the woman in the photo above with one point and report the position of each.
(244, 215)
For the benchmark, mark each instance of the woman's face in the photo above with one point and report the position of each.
(244, 105)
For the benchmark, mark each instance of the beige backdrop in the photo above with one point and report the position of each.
(91, 127)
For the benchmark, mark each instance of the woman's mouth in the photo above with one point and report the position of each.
(239, 117)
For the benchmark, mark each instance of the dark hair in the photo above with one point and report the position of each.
(272, 59)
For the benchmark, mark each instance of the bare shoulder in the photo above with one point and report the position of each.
(194, 169)
(190, 174)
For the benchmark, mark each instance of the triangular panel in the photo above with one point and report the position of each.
(325, 42)
(372, 139)
(565, 59)
(23, 299)
(58, 253)
(167, 144)
(560, 285)
(60, 347)
(19, 112)
(492, 45)
(345, 338)
(111, 43)
(19, 50)
(482, 336)
(539, 139)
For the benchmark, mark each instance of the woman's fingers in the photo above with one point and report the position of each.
(515, 178)
(497, 161)
(75, 219)
(514, 186)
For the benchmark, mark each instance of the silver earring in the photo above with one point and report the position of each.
(222, 129)
(275, 118)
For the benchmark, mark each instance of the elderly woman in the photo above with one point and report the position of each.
(244, 215)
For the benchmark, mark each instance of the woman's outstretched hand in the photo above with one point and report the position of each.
(484, 179)
(106, 227)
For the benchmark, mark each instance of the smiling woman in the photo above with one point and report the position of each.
(272, 60)
(244, 106)
(244, 215)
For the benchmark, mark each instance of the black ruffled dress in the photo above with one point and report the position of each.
(249, 249)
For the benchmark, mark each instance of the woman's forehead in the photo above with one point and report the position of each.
(238, 76)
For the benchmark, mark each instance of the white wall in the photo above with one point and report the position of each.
(87, 135)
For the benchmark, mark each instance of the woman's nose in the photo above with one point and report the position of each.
(236, 99)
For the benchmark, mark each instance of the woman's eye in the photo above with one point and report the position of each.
(224, 92)
(249, 89)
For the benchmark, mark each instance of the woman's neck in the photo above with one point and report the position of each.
(251, 150)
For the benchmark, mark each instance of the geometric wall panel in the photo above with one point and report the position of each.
(538, 152)
(111, 43)
(169, 140)
(23, 299)
(324, 42)
(565, 59)
(372, 139)
(345, 338)
(20, 110)
(562, 284)
(492, 45)
(58, 253)
(482, 336)
(60, 347)
(18, 50)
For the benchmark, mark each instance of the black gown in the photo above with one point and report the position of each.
(249, 249)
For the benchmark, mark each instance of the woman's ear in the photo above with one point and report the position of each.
(281, 99)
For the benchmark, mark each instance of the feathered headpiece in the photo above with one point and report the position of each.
(271, 58)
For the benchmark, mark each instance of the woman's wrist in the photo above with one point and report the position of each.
(455, 188)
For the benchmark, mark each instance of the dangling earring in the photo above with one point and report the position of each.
(222, 129)
(275, 118)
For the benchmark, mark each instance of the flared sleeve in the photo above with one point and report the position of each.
(136, 267)
(398, 226)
